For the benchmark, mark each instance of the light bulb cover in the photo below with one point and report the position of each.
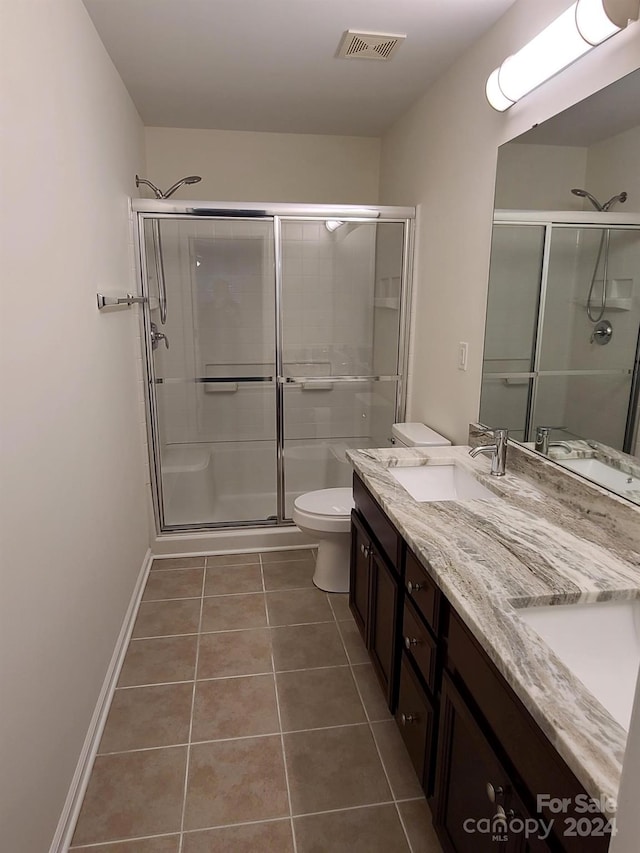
(581, 27)
(593, 23)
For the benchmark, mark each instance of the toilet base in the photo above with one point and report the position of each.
(332, 563)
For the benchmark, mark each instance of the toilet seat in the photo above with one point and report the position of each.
(324, 510)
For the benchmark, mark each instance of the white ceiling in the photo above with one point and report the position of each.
(270, 64)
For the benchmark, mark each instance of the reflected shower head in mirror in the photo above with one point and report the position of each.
(584, 194)
(621, 197)
(191, 179)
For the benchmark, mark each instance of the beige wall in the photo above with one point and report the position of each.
(72, 507)
(613, 167)
(244, 166)
(442, 156)
(540, 177)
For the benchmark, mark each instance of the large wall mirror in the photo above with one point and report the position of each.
(561, 365)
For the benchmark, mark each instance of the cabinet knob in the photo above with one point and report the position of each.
(502, 818)
(413, 587)
(410, 641)
(493, 793)
(364, 550)
(407, 719)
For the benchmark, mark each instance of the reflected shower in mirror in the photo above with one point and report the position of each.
(562, 331)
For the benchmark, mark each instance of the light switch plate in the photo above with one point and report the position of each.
(463, 352)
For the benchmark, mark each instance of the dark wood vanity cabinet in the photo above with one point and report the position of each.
(360, 577)
(476, 803)
(479, 755)
(416, 719)
(375, 585)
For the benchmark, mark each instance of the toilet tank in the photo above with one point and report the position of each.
(417, 435)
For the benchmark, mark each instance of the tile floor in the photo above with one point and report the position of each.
(248, 718)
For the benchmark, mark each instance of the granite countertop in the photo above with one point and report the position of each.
(533, 547)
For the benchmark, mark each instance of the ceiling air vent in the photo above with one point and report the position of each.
(357, 45)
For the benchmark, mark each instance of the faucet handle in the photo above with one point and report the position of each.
(543, 436)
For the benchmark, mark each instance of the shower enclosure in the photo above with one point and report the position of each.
(544, 362)
(284, 345)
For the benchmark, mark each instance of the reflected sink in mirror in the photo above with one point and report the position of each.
(605, 475)
(440, 483)
(589, 639)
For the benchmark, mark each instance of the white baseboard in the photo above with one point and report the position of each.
(77, 790)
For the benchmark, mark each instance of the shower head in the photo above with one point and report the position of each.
(584, 194)
(191, 179)
(621, 197)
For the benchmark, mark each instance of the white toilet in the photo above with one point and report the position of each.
(326, 514)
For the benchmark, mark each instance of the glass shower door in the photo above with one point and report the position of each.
(213, 383)
(583, 388)
(510, 334)
(341, 306)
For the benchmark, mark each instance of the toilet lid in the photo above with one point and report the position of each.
(326, 502)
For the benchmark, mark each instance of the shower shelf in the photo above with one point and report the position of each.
(619, 294)
(620, 303)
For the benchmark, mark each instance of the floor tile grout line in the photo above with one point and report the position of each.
(256, 736)
(239, 675)
(163, 600)
(167, 636)
(282, 746)
(359, 807)
(384, 769)
(123, 840)
(375, 742)
(404, 827)
(179, 569)
(231, 630)
(193, 701)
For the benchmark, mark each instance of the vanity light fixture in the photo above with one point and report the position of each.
(584, 25)
(333, 224)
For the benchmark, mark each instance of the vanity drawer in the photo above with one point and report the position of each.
(515, 735)
(423, 592)
(387, 536)
(419, 644)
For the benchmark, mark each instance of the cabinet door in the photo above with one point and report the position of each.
(528, 840)
(360, 577)
(384, 625)
(414, 717)
(468, 812)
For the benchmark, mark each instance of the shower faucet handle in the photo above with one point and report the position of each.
(157, 336)
(602, 332)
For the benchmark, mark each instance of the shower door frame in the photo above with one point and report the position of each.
(171, 210)
(562, 220)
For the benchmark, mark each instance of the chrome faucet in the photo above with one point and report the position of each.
(543, 444)
(498, 450)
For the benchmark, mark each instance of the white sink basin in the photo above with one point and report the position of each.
(599, 472)
(440, 483)
(599, 643)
